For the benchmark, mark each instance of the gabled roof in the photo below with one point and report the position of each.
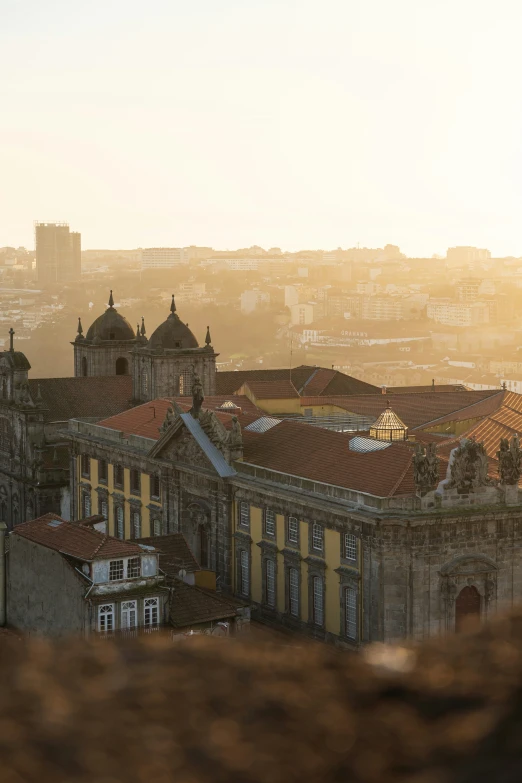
(93, 397)
(415, 410)
(174, 553)
(191, 605)
(271, 390)
(322, 380)
(75, 540)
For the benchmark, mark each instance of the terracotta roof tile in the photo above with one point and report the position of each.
(191, 605)
(415, 410)
(74, 539)
(229, 381)
(175, 553)
(271, 390)
(91, 397)
(442, 387)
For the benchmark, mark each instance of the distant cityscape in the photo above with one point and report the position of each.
(372, 312)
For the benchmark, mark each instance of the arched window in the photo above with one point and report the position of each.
(203, 547)
(5, 435)
(122, 366)
(84, 366)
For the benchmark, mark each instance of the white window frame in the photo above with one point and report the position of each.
(270, 582)
(150, 612)
(350, 608)
(87, 507)
(317, 537)
(117, 570)
(318, 600)
(131, 563)
(104, 509)
(125, 568)
(270, 522)
(129, 615)
(350, 546)
(156, 526)
(244, 565)
(293, 591)
(244, 514)
(105, 618)
(292, 521)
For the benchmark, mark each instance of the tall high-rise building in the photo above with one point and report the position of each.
(58, 253)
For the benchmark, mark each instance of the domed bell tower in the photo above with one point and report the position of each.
(106, 348)
(165, 366)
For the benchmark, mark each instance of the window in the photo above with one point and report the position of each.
(293, 591)
(106, 618)
(151, 611)
(84, 367)
(155, 487)
(156, 527)
(270, 582)
(244, 515)
(115, 570)
(318, 600)
(129, 614)
(118, 476)
(104, 510)
(270, 522)
(102, 471)
(86, 505)
(244, 568)
(120, 522)
(133, 567)
(122, 366)
(145, 383)
(185, 383)
(350, 599)
(350, 547)
(135, 481)
(86, 465)
(292, 531)
(317, 537)
(136, 524)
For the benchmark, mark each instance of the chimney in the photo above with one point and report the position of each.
(383, 389)
(3, 530)
(433, 383)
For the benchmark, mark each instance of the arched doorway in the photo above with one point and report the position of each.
(84, 367)
(467, 607)
(122, 366)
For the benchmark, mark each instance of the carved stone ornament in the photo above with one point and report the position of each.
(186, 450)
(425, 466)
(197, 395)
(509, 459)
(469, 466)
(170, 418)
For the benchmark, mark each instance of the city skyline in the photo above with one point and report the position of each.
(283, 125)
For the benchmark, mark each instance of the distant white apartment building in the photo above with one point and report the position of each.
(241, 264)
(162, 257)
(252, 300)
(367, 287)
(382, 308)
(450, 313)
(291, 295)
(302, 314)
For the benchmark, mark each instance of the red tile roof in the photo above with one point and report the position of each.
(84, 397)
(415, 410)
(175, 553)
(74, 539)
(441, 387)
(271, 390)
(229, 381)
(191, 605)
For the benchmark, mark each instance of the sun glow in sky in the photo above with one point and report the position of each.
(284, 123)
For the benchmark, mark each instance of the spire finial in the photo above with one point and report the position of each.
(80, 327)
(142, 330)
(11, 338)
(111, 300)
(173, 305)
(137, 330)
(207, 338)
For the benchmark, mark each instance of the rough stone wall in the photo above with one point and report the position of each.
(101, 359)
(43, 594)
(164, 372)
(426, 562)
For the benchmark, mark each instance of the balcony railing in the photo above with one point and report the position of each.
(129, 633)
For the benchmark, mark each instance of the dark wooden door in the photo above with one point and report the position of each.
(467, 609)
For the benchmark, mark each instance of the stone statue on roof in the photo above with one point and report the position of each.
(469, 466)
(509, 460)
(197, 396)
(425, 467)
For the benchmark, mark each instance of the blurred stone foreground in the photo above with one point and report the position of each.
(218, 710)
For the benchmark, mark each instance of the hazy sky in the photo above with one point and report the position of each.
(284, 123)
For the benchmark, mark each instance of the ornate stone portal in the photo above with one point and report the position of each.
(478, 571)
(469, 466)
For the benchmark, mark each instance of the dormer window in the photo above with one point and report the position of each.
(115, 570)
(134, 567)
(127, 568)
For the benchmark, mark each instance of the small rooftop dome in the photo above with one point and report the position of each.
(110, 326)
(389, 427)
(173, 333)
